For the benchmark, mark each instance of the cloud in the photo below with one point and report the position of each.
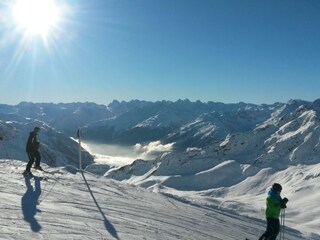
(152, 149)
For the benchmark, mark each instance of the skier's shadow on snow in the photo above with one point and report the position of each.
(29, 202)
(110, 228)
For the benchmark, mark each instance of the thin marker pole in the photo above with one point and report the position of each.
(80, 158)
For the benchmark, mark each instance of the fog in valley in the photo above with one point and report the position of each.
(117, 155)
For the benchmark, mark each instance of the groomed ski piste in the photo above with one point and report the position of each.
(65, 203)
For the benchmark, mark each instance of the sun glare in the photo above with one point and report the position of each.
(36, 17)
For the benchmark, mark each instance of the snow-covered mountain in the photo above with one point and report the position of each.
(68, 204)
(64, 117)
(188, 124)
(56, 149)
(284, 148)
(224, 155)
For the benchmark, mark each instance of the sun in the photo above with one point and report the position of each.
(36, 17)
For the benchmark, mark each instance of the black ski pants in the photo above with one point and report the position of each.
(273, 229)
(33, 157)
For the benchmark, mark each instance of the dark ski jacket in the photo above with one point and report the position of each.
(32, 143)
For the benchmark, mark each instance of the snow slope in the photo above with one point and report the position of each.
(56, 149)
(237, 171)
(238, 187)
(67, 204)
(230, 174)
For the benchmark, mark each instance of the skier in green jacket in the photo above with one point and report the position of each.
(274, 205)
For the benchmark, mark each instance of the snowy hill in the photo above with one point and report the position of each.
(56, 149)
(216, 155)
(67, 204)
(284, 149)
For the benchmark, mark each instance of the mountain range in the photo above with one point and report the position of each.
(222, 154)
(183, 122)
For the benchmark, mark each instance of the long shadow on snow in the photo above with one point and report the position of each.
(110, 228)
(29, 203)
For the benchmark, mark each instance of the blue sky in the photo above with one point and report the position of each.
(209, 50)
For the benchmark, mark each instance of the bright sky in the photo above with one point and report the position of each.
(208, 50)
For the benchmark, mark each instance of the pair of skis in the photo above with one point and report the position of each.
(40, 170)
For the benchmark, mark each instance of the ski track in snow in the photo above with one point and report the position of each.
(63, 205)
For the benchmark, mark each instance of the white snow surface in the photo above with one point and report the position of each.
(213, 191)
(240, 188)
(69, 204)
(236, 172)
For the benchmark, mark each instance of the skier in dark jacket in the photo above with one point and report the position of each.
(274, 205)
(32, 149)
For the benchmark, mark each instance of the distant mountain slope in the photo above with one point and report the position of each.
(285, 148)
(65, 117)
(291, 136)
(285, 139)
(56, 149)
(187, 123)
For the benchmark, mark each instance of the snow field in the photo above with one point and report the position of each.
(74, 205)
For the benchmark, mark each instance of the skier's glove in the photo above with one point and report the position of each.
(284, 202)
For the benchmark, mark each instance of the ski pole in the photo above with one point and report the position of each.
(281, 224)
(283, 214)
(79, 138)
(284, 218)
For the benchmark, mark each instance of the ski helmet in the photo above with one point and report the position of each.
(276, 187)
(36, 129)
